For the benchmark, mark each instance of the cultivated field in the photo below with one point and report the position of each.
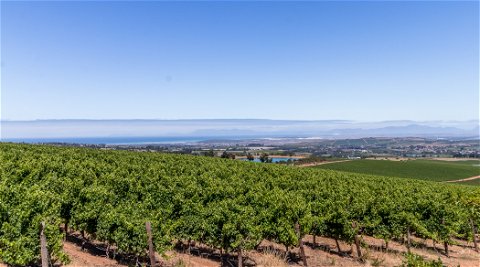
(222, 210)
(433, 170)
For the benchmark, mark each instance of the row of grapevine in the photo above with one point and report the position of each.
(226, 204)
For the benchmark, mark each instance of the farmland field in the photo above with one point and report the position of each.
(433, 170)
(228, 205)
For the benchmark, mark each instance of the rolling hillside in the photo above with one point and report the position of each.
(227, 205)
(433, 170)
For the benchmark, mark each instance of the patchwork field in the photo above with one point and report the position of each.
(433, 170)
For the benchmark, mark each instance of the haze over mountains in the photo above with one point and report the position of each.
(62, 130)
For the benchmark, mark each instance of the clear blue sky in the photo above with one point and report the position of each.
(367, 61)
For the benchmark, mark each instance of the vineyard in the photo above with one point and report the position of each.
(226, 204)
(432, 170)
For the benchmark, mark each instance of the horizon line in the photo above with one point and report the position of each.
(240, 119)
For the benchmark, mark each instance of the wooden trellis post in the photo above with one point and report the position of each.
(43, 246)
(409, 244)
(474, 232)
(151, 252)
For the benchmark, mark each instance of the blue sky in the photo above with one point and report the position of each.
(367, 61)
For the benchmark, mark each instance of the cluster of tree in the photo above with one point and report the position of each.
(310, 159)
(264, 158)
(466, 155)
(209, 153)
(226, 204)
(226, 155)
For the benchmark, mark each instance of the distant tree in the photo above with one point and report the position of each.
(250, 157)
(264, 158)
(226, 155)
(209, 153)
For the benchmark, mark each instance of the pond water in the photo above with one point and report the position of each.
(274, 159)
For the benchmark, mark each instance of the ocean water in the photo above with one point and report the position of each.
(111, 140)
(136, 140)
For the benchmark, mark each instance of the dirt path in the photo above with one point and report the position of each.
(82, 258)
(454, 159)
(323, 253)
(464, 179)
(320, 163)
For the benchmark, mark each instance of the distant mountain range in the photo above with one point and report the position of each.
(233, 128)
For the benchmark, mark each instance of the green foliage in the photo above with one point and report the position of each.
(222, 203)
(209, 153)
(413, 260)
(264, 158)
(434, 170)
(226, 155)
(24, 208)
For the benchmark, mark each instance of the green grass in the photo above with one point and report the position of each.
(433, 170)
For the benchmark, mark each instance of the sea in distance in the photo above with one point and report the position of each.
(128, 140)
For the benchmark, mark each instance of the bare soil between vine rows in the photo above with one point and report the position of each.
(324, 253)
(269, 254)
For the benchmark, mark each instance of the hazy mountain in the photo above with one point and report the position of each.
(410, 130)
(231, 128)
